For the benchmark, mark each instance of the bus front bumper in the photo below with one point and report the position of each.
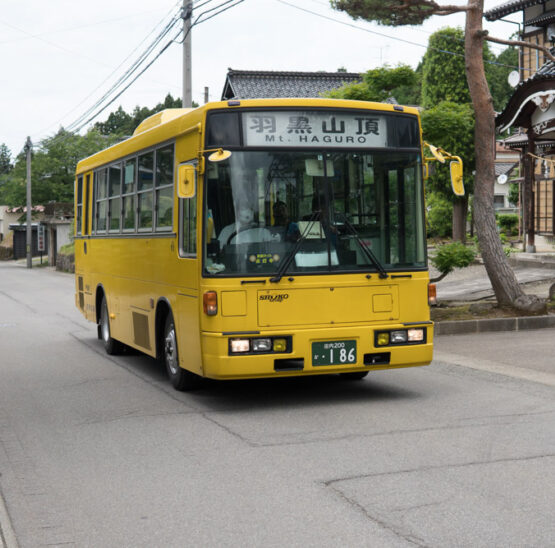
(309, 353)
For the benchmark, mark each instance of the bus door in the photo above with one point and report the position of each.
(83, 222)
(187, 304)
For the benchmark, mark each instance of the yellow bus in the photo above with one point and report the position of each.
(259, 238)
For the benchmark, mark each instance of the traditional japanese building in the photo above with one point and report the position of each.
(258, 84)
(532, 109)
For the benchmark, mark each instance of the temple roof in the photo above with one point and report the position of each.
(257, 84)
(506, 8)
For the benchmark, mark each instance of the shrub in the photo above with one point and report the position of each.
(508, 223)
(451, 256)
(439, 216)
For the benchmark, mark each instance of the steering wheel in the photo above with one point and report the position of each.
(241, 229)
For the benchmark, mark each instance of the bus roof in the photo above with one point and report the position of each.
(170, 123)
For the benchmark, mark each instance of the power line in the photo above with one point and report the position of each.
(218, 12)
(88, 115)
(130, 71)
(115, 69)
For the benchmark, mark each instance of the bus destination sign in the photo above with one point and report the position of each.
(314, 129)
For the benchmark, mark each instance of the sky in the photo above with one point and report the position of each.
(61, 56)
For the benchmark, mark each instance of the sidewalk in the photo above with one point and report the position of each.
(535, 273)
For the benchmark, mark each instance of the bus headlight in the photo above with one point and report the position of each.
(416, 335)
(398, 337)
(262, 345)
(239, 345)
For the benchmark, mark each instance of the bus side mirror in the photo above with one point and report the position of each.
(186, 178)
(456, 168)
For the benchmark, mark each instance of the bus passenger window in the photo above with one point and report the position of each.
(128, 209)
(114, 186)
(144, 190)
(164, 188)
(189, 226)
(145, 210)
(101, 200)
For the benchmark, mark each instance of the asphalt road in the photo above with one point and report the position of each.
(101, 451)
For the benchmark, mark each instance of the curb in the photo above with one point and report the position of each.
(463, 327)
(536, 261)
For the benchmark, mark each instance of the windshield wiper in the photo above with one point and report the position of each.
(291, 254)
(365, 249)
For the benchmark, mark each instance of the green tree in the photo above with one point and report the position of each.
(53, 165)
(451, 125)
(5, 159)
(118, 122)
(382, 83)
(443, 77)
(414, 12)
(498, 74)
(122, 123)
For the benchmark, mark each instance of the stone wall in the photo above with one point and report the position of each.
(65, 263)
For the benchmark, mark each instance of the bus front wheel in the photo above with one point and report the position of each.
(355, 376)
(111, 345)
(180, 378)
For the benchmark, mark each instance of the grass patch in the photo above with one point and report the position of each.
(67, 249)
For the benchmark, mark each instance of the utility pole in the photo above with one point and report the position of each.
(28, 149)
(206, 95)
(187, 15)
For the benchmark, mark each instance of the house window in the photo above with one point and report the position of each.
(499, 201)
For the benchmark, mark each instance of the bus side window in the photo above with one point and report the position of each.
(144, 190)
(86, 194)
(188, 224)
(101, 198)
(164, 188)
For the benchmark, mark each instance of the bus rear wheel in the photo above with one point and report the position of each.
(180, 378)
(111, 345)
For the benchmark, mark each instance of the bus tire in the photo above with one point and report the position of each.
(111, 346)
(356, 376)
(180, 378)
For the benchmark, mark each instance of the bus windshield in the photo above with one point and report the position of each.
(322, 212)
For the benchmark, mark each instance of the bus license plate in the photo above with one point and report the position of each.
(334, 353)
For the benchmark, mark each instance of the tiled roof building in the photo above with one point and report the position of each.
(532, 107)
(257, 84)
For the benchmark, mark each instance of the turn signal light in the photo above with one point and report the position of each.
(210, 303)
(382, 339)
(432, 294)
